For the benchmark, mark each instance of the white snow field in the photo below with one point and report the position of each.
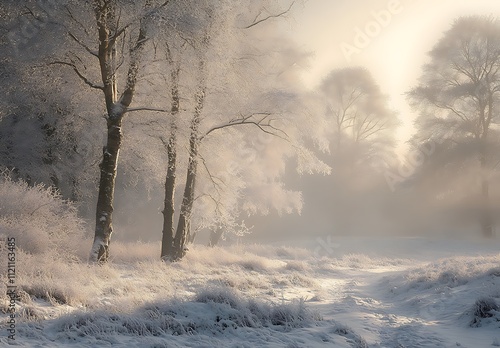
(349, 292)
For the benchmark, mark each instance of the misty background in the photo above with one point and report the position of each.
(381, 183)
(395, 57)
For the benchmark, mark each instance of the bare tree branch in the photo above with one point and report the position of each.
(256, 22)
(79, 74)
(266, 127)
(148, 13)
(87, 48)
(212, 178)
(147, 109)
(76, 20)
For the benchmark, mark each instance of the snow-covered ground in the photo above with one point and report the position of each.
(337, 292)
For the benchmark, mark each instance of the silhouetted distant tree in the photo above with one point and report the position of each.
(458, 97)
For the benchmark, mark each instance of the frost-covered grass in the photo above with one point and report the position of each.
(210, 292)
(77, 283)
(448, 273)
(212, 309)
(240, 295)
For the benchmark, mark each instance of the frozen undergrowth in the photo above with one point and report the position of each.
(237, 296)
(210, 311)
(39, 220)
(43, 276)
(66, 302)
(447, 273)
(218, 293)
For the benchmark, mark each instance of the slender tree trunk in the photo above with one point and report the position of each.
(188, 197)
(486, 221)
(485, 216)
(104, 211)
(181, 233)
(170, 179)
(116, 108)
(105, 17)
(169, 207)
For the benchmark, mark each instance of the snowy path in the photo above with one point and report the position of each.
(364, 302)
(380, 323)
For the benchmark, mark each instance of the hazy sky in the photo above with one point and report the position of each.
(395, 46)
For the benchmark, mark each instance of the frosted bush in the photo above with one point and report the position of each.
(290, 253)
(452, 272)
(219, 295)
(299, 266)
(255, 263)
(39, 219)
(485, 307)
(56, 281)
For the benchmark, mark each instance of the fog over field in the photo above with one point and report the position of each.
(235, 173)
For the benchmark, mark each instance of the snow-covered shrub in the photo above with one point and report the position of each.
(320, 294)
(255, 263)
(39, 219)
(57, 281)
(294, 279)
(299, 266)
(446, 273)
(49, 238)
(219, 295)
(31, 313)
(291, 253)
(485, 307)
(254, 312)
(291, 314)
